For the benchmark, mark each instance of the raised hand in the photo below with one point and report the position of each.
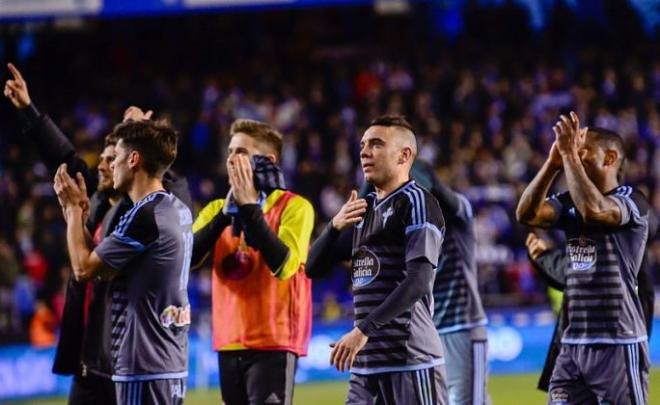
(16, 89)
(350, 213)
(70, 192)
(569, 137)
(134, 113)
(241, 180)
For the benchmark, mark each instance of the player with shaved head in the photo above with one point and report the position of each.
(604, 354)
(393, 237)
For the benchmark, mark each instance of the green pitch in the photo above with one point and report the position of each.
(513, 389)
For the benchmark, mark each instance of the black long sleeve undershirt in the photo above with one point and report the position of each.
(206, 237)
(447, 198)
(329, 248)
(259, 236)
(53, 146)
(418, 283)
(552, 265)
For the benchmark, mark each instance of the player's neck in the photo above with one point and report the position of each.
(384, 190)
(144, 185)
(607, 184)
(114, 197)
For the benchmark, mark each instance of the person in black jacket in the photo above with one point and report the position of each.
(83, 349)
(551, 263)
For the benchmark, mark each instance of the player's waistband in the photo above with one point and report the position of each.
(394, 369)
(149, 377)
(462, 326)
(602, 340)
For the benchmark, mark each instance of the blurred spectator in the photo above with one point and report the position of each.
(483, 116)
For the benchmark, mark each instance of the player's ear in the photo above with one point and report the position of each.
(134, 159)
(611, 157)
(271, 157)
(405, 155)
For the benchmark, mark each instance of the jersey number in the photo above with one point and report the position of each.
(187, 257)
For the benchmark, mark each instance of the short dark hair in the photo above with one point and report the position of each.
(110, 140)
(608, 139)
(261, 132)
(392, 120)
(155, 141)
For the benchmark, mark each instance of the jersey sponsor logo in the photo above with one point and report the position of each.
(582, 253)
(177, 316)
(365, 267)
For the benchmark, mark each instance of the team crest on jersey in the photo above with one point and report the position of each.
(387, 214)
(582, 253)
(177, 316)
(365, 267)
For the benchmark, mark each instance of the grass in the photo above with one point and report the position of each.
(511, 389)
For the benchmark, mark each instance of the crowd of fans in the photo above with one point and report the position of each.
(482, 112)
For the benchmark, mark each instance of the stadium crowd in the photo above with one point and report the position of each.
(483, 114)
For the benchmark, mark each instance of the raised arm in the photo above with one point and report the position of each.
(533, 209)
(207, 228)
(334, 243)
(286, 250)
(592, 204)
(72, 195)
(329, 248)
(53, 146)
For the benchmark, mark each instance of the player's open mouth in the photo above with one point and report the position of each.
(367, 166)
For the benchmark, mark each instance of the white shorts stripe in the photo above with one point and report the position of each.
(427, 383)
(419, 386)
(633, 373)
(429, 389)
(479, 373)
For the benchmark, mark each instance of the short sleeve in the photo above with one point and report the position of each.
(561, 202)
(136, 230)
(464, 209)
(424, 227)
(632, 203)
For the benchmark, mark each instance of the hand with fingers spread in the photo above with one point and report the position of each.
(241, 180)
(346, 349)
(535, 245)
(569, 137)
(350, 213)
(134, 113)
(72, 194)
(16, 89)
